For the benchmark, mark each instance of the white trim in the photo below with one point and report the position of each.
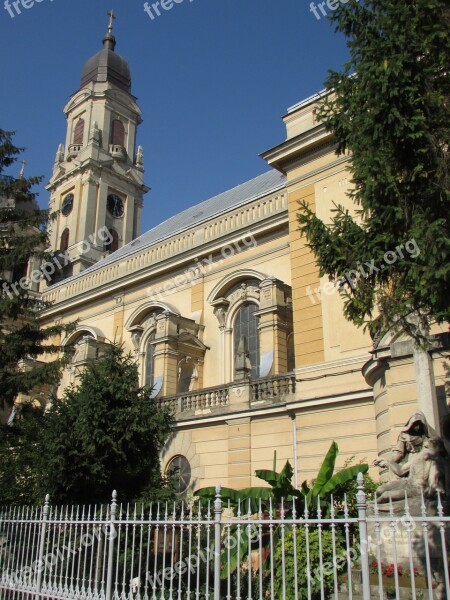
(143, 309)
(306, 101)
(234, 277)
(96, 333)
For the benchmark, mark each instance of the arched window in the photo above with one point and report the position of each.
(78, 133)
(150, 361)
(117, 133)
(112, 245)
(179, 469)
(63, 246)
(246, 324)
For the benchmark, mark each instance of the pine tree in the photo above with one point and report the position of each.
(389, 108)
(20, 458)
(104, 434)
(23, 238)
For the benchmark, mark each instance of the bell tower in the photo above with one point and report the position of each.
(98, 175)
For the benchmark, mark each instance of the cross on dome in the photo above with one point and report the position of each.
(112, 17)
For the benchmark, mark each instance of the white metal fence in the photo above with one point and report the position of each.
(341, 549)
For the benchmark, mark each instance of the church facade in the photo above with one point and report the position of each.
(222, 305)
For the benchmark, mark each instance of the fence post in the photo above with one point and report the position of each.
(112, 536)
(361, 503)
(40, 563)
(217, 539)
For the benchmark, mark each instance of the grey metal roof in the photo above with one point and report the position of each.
(106, 65)
(240, 195)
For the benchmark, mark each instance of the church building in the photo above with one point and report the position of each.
(222, 305)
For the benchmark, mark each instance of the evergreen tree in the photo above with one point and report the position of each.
(389, 108)
(23, 238)
(19, 458)
(104, 434)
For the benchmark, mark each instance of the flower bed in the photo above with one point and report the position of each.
(404, 576)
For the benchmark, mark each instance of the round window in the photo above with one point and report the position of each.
(180, 470)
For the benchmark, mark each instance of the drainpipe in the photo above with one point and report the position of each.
(294, 444)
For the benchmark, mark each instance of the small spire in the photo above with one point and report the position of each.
(22, 169)
(140, 157)
(59, 154)
(109, 41)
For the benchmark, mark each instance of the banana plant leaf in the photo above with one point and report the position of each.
(326, 470)
(341, 477)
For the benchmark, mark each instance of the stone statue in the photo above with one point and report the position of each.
(242, 365)
(425, 472)
(419, 467)
(410, 440)
(417, 464)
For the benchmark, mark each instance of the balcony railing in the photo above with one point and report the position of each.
(198, 400)
(269, 389)
(273, 388)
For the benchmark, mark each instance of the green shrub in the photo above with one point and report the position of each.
(316, 575)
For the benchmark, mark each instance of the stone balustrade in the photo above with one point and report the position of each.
(273, 388)
(269, 389)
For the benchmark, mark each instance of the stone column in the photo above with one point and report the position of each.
(166, 355)
(273, 324)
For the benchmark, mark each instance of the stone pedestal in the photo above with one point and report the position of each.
(400, 537)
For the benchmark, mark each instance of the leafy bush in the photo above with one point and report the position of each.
(316, 574)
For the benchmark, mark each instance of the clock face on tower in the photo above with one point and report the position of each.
(67, 205)
(114, 204)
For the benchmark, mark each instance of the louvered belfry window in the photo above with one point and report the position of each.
(64, 240)
(113, 245)
(78, 133)
(117, 133)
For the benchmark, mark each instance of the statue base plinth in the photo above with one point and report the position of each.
(399, 538)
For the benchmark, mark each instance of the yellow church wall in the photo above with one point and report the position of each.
(341, 337)
(351, 425)
(308, 341)
(230, 454)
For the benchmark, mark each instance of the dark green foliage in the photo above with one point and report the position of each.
(105, 434)
(23, 236)
(390, 109)
(19, 444)
(315, 573)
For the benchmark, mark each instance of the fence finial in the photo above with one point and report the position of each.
(46, 505)
(361, 494)
(113, 511)
(218, 500)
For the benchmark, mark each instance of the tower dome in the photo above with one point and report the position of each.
(106, 65)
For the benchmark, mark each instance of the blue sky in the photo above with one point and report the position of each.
(212, 77)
